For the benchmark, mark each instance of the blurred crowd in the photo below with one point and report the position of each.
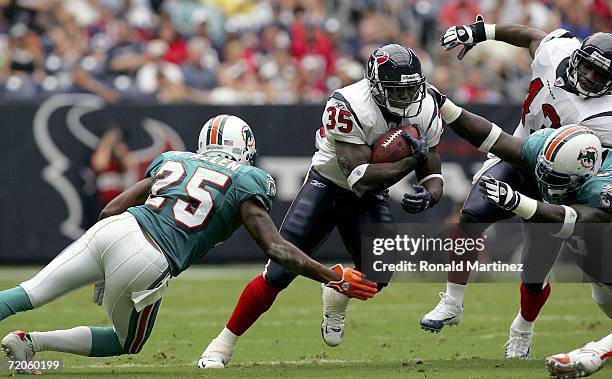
(261, 51)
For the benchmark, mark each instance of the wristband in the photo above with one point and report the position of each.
(489, 31)
(526, 207)
(357, 173)
(449, 111)
(431, 177)
(569, 222)
(488, 143)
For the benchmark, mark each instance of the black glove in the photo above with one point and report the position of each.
(418, 201)
(438, 96)
(419, 147)
(499, 193)
(466, 35)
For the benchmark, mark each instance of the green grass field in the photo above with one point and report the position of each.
(382, 340)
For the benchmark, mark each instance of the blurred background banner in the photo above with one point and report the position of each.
(52, 189)
(92, 90)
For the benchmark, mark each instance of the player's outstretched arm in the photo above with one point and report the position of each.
(135, 195)
(520, 36)
(478, 131)
(365, 177)
(468, 36)
(263, 230)
(562, 218)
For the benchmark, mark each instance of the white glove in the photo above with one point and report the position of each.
(466, 35)
(499, 193)
(98, 294)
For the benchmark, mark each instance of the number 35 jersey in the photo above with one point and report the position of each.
(351, 115)
(195, 201)
(551, 102)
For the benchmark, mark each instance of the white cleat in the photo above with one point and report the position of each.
(447, 312)
(18, 348)
(577, 363)
(334, 315)
(518, 344)
(216, 355)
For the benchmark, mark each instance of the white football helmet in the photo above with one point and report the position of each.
(228, 136)
(571, 155)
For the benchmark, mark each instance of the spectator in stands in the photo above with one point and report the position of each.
(112, 47)
(113, 166)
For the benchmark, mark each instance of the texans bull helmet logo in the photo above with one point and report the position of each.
(377, 59)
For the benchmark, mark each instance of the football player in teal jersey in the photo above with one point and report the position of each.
(574, 177)
(187, 204)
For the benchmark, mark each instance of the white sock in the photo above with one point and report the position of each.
(75, 341)
(521, 324)
(455, 291)
(227, 337)
(334, 301)
(606, 342)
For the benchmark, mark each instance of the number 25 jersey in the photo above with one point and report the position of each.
(195, 201)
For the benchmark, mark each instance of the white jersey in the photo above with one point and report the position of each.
(351, 115)
(550, 103)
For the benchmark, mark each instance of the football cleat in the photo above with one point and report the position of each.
(447, 312)
(518, 344)
(577, 363)
(216, 355)
(19, 348)
(334, 314)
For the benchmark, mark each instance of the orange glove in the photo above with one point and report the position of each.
(353, 283)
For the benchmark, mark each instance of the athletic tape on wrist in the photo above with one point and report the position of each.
(449, 111)
(488, 143)
(526, 207)
(569, 222)
(489, 31)
(357, 173)
(431, 177)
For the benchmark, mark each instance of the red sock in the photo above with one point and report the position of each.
(461, 277)
(532, 304)
(256, 298)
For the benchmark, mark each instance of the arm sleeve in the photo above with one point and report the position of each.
(340, 122)
(256, 184)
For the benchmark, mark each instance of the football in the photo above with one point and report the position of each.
(392, 147)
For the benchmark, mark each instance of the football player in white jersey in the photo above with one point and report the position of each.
(578, 206)
(344, 190)
(571, 84)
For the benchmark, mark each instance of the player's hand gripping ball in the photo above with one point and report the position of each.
(399, 143)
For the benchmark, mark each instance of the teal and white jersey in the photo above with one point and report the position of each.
(195, 201)
(595, 192)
